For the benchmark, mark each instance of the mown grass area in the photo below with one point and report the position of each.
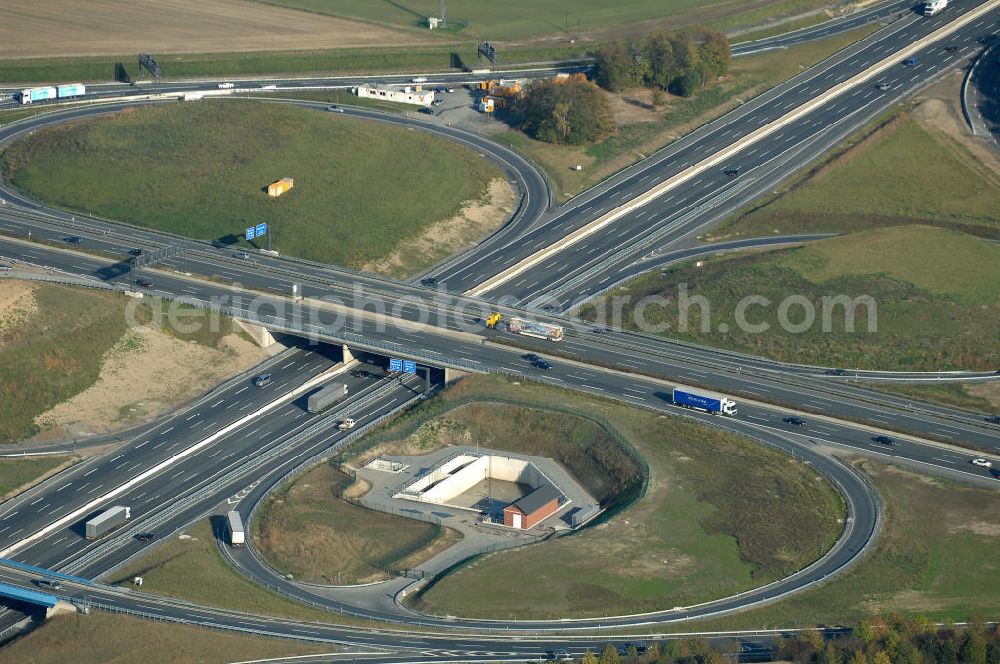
(201, 169)
(16, 473)
(54, 352)
(310, 530)
(936, 557)
(951, 394)
(6, 117)
(748, 77)
(873, 180)
(336, 61)
(192, 569)
(720, 512)
(520, 19)
(102, 638)
(936, 295)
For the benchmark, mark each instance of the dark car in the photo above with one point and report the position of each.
(360, 373)
(531, 357)
(732, 171)
(599, 330)
(427, 111)
(136, 251)
(836, 372)
(145, 537)
(884, 440)
(144, 283)
(993, 419)
(262, 380)
(428, 281)
(951, 48)
(73, 239)
(911, 62)
(795, 421)
(543, 364)
(47, 583)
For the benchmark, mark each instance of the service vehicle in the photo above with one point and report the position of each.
(106, 521)
(528, 328)
(322, 399)
(709, 403)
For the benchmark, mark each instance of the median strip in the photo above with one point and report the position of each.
(748, 140)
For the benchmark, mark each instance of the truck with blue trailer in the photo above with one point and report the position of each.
(708, 403)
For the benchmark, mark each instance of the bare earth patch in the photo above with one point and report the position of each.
(977, 527)
(17, 305)
(55, 28)
(941, 113)
(146, 374)
(476, 220)
(989, 390)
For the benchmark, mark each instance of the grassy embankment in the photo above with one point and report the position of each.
(84, 639)
(309, 529)
(525, 19)
(690, 536)
(748, 77)
(200, 169)
(936, 557)
(938, 302)
(18, 474)
(56, 350)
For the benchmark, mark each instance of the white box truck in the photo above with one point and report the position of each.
(237, 536)
(932, 7)
(106, 521)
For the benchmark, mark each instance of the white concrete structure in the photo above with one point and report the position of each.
(407, 95)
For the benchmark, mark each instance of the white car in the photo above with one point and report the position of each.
(347, 423)
(982, 462)
(226, 86)
(420, 79)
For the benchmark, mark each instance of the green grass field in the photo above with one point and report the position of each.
(748, 77)
(200, 169)
(952, 394)
(937, 301)
(310, 531)
(874, 180)
(694, 534)
(936, 557)
(84, 639)
(192, 569)
(519, 19)
(16, 473)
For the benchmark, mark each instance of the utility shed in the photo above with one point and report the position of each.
(533, 508)
(276, 189)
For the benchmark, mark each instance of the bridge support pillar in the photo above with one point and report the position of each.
(348, 355)
(451, 375)
(261, 335)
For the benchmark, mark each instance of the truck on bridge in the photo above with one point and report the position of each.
(708, 403)
(106, 521)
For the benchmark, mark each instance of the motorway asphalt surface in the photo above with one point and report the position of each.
(604, 257)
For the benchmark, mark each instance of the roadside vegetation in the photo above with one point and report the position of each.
(312, 530)
(936, 557)
(192, 569)
(642, 126)
(690, 525)
(17, 474)
(936, 297)
(86, 639)
(201, 169)
(969, 395)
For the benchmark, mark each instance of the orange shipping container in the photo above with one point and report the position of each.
(280, 187)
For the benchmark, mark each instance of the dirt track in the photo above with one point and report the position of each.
(53, 28)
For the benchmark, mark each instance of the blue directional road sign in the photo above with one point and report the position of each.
(395, 364)
(261, 230)
(250, 232)
(409, 367)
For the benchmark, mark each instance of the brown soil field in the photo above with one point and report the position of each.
(56, 28)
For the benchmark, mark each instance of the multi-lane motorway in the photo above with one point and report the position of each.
(444, 329)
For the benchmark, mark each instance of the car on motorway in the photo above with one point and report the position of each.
(145, 537)
(345, 424)
(48, 583)
(262, 380)
(993, 419)
(732, 171)
(420, 79)
(599, 330)
(450, 89)
(884, 440)
(558, 655)
(135, 251)
(982, 463)
(144, 283)
(531, 357)
(73, 239)
(542, 364)
(794, 421)
(883, 86)
(911, 62)
(242, 255)
(429, 281)
(950, 48)
(360, 373)
(335, 109)
(227, 86)
(836, 372)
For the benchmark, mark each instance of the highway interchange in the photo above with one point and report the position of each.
(447, 332)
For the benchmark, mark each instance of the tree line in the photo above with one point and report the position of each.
(681, 63)
(564, 111)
